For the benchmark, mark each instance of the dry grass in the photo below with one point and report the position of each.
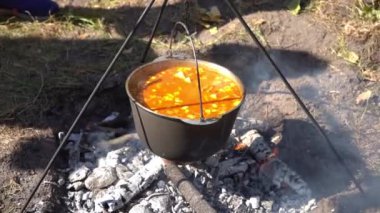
(9, 188)
(40, 62)
(358, 25)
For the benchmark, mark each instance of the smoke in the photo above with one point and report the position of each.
(253, 68)
(302, 147)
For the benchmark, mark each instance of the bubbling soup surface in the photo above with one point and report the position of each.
(174, 92)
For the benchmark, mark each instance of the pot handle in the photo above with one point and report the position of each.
(202, 119)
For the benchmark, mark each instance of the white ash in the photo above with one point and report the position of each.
(232, 181)
(253, 180)
(79, 174)
(75, 186)
(100, 177)
(256, 145)
(253, 202)
(117, 174)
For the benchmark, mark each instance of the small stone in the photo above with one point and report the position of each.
(140, 209)
(160, 203)
(79, 174)
(75, 186)
(100, 178)
(253, 202)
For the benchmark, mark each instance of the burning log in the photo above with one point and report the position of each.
(232, 166)
(255, 144)
(272, 168)
(281, 175)
(187, 189)
(242, 125)
(116, 197)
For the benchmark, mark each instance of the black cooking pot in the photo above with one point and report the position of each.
(175, 139)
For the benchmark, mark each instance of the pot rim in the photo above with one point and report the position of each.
(188, 121)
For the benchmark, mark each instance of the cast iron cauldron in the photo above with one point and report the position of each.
(175, 139)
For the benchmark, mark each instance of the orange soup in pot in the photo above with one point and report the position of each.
(174, 92)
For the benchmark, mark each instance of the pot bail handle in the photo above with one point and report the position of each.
(195, 58)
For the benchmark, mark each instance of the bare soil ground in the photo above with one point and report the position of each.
(48, 68)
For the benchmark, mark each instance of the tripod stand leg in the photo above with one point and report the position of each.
(158, 20)
(101, 80)
(298, 99)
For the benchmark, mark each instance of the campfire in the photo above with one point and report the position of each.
(236, 171)
(109, 173)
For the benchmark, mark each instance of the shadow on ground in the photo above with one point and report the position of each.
(69, 70)
(302, 147)
(304, 150)
(123, 18)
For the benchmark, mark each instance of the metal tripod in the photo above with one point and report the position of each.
(153, 33)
